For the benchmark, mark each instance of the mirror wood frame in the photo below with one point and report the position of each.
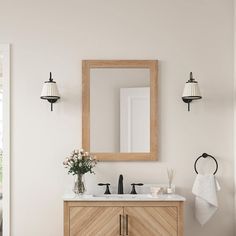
(152, 65)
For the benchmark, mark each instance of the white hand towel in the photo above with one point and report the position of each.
(205, 190)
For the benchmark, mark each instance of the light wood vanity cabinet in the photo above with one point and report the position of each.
(114, 218)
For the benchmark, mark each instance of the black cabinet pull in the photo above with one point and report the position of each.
(120, 225)
(127, 224)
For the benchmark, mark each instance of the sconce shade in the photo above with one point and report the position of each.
(191, 91)
(50, 91)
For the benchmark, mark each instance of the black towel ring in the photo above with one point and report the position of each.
(205, 155)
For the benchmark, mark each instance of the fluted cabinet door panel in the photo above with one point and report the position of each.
(95, 221)
(152, 221)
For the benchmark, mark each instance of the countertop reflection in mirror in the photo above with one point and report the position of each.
(120, 109)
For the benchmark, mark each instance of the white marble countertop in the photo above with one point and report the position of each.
(124, 197)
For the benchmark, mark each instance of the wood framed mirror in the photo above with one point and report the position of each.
(119, 102)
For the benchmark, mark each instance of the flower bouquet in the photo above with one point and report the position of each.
(78, 164)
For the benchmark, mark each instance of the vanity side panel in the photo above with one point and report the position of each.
(66, 220)
(181, 219)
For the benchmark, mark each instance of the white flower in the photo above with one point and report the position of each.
(64, 162)
(76, 151)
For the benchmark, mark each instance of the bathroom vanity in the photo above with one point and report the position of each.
(136, 215)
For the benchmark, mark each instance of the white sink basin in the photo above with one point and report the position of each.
(124, 196)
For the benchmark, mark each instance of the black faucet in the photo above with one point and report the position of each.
(133, 191)
(107, 187)
(120, 185)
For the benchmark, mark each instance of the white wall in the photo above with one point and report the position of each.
(56, 35)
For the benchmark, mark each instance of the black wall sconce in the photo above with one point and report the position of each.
(50, 91)
(191, 91)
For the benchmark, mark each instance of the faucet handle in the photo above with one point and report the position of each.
(133, 191)
(107, 187)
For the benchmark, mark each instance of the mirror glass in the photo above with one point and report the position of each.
(120, 110)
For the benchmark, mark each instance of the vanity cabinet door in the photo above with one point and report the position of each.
(151, 221)
(95, 220)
